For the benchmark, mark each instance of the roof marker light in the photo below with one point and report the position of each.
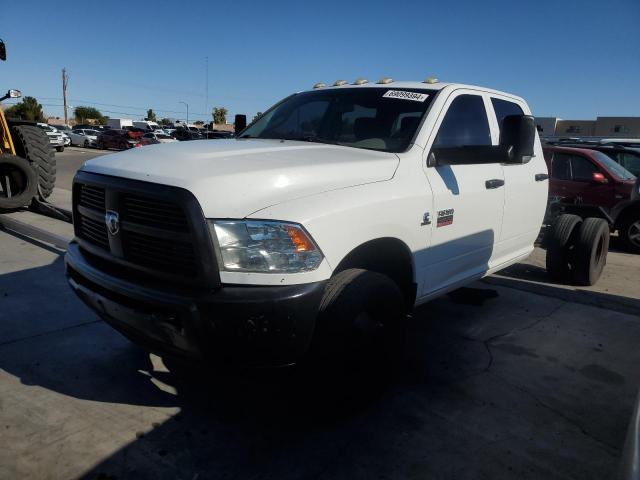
(431, 80)
(320, 85)
(339, 83)
(385, 80)
(361, 81)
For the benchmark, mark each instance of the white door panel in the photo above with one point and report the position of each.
(465, 246)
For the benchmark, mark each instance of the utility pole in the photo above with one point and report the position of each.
(187, 105)
(65, 79)
(206, 94)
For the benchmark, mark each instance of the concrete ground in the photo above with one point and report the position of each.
(517, 386)
(69, 161)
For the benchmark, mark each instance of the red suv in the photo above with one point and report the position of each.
(589, 183)
(119, 139)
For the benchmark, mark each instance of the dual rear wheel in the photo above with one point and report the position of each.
(577, 249)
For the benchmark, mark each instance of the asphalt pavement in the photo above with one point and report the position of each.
(497, 383)
(69, 161)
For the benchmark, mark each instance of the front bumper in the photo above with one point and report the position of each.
(242, 325)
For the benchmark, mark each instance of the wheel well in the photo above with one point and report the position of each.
(389, 256)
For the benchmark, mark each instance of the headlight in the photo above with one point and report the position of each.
(263, 246)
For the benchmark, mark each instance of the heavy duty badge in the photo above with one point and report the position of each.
(445, 217)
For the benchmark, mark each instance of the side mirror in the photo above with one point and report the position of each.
(517, 137)
(240, 123)
(3, 51)
(14, 93)
(598, 177)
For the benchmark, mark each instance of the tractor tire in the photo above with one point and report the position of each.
(590, 254)
(629, 230)
(18, 182)
(560, 242)
(33, 144)
(360, 325)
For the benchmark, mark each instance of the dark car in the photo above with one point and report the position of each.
(118, 139)
(184, 134)
(589, 183)
(216, 134)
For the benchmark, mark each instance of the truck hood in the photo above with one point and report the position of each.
(234, 178)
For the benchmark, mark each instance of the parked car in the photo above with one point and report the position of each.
(84, 137)
(65, 137)
(146, 125)
(588, 182)
(118, 139)
(215, 134)
(119, 123)
(154, 137)
(186, 134)
(56, 139)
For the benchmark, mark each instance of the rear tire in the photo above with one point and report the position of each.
(590, 255)
(560, 243)
(33, 144)
(629, 230)
(18, 182)
(360, 326)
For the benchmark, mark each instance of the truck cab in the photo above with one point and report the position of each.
(321, 224)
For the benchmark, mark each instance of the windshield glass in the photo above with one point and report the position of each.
(614, 167)
(373, 118)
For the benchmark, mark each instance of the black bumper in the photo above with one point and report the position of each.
(242, 325)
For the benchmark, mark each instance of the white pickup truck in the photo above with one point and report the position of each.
(316, 229)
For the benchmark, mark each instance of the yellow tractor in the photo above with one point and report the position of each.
(27, 162)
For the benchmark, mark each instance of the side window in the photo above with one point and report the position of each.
(464, 124)
(561, 166)
(631, 161)
(582, 169)
(504, 108)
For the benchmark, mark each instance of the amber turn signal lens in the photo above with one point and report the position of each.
(299, 239)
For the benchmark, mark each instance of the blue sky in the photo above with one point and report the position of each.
(574, 59)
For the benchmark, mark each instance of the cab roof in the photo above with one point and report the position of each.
(417, 85)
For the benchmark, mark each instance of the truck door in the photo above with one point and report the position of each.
(468, 196)
(525, 188)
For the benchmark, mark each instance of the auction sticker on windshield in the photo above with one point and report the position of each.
(416, 97)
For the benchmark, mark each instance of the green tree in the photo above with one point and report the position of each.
(28, 109)
(151, 116)
(219, 115)
(256, 116)
(165, 121)
(82, 114)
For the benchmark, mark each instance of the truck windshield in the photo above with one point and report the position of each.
(381, 119)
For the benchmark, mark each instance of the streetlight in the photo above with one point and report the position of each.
(187, 105)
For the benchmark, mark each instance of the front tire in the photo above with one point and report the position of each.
(60, 149)
(361, 323)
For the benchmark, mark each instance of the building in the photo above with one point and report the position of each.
(617, 127)
(600, 127)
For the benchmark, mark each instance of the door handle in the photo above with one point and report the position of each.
(494, 183)
(541, 177)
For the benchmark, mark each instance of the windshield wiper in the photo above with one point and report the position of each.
(310, 138)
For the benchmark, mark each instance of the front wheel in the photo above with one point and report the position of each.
(60, 149)
(361, 324)
(630, 231)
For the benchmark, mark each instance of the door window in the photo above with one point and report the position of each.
(561, 166)
(582, 169)
(464, 124)
(504, 108)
